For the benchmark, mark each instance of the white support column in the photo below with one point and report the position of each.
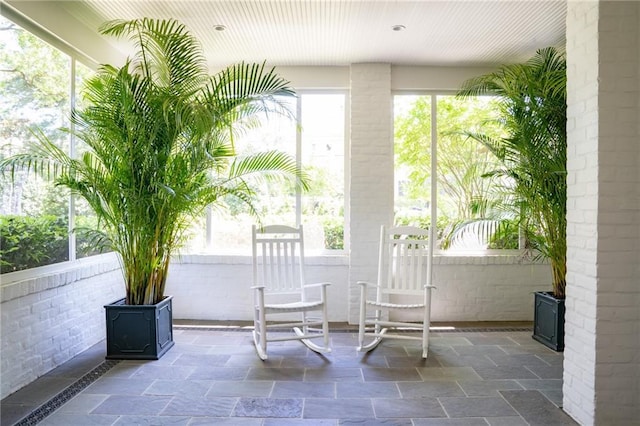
(602, 344)
(371, 159)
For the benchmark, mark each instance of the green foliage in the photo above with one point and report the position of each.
(159, 133)
(333, 234)
(466, 196)
(27, 242)
(534, 154)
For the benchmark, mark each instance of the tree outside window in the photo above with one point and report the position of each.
(469, 217)
(35, 93)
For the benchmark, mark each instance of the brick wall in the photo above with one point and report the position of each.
(371, 170)
(602, 365)
(50, 318)
(483, 288)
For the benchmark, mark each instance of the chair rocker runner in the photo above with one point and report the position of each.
(404, 284)
(279, 288)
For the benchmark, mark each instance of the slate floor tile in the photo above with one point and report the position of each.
(333, 374)
(82, 404)
(343, 408)
(367, 390)
(546, 371)
(483, 406)
(488, 387)
(303, 390)
(376, 422)
(448, 373)
(361, 361)
(466, 361)
(553, 395)
(154, 371)
(408, 407)
(70, 419)
(226, 421)
(201, 360)
(277, 373)
(491, 339)
(488, 379)
(506, 421)
(536, 409)
(517, 360)
(252, 361)
(541, 384)
(178, 387)
(299, 422)
(391, 374)
(479, 350)
(132, 405)
(431, 389)
(269, 407)
(416, 361)
(199, 406)
(153, 421)
(119, 386)
(504, 372)
(217, 373)
(475, 421)
(240, 388)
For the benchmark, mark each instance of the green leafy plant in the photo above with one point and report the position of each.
(533, 157)
(159, 132)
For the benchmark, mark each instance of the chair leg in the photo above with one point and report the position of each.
(325, 326)
(363, 317)
(260, 327)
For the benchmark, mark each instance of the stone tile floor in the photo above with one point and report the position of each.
(212, 376)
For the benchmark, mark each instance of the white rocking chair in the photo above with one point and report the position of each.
(404, 284)
(278, 278)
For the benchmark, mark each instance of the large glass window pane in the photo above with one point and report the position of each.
(316, 139)
(84, 219)
(469, 216)
(322, 156)
(34, 97)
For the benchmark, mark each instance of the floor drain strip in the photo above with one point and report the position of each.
(61, 398)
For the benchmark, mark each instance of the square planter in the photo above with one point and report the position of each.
(548, 320)
(139, 331)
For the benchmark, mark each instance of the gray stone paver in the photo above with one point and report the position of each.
(215, 377)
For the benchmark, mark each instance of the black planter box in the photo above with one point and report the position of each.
(548, 320)
(139, 331)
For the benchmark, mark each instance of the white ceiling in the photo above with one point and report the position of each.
(341, 32)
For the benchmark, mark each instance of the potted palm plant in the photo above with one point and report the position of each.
(533, 160)
(159, 150)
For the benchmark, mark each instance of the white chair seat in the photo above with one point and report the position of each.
(387, 305)
(293, 306)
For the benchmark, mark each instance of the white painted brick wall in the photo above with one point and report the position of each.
(617, 380)
(602, 365)
(492, 288)
(50, 318)
(582, 191)
(371, 170)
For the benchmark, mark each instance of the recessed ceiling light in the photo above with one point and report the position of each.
(398, 27)
(219, 27)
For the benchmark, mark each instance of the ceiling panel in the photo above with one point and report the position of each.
(340, 32)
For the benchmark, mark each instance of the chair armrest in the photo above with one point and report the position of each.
(316, 285)
(367, 283)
